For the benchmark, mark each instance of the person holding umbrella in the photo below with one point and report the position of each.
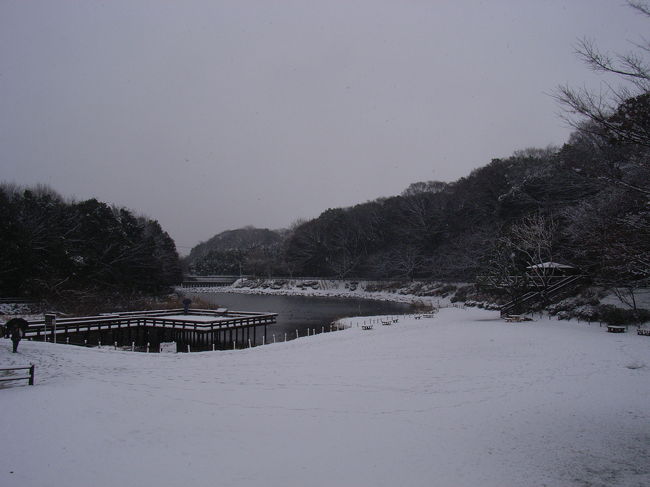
(16, 328)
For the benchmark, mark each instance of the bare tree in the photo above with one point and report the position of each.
(403, 261)
(632, 69)
(536, 152)
(521, 255)
(502, 270)
(534, 239)
(610, 235)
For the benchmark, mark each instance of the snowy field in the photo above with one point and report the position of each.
(462, 399)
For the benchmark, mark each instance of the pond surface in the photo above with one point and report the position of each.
(302, 312)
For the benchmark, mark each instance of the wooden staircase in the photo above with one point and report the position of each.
(558, 290)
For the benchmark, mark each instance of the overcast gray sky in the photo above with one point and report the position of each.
(216, 114)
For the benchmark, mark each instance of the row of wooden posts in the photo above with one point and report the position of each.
(207, 339)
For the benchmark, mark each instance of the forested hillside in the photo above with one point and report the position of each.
(245, 250)
(584, 204)
(57, 249)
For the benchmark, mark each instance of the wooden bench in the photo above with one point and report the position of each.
(615, 329)
(644, 332)
(366, 327)
(386, 323)
(515, 318)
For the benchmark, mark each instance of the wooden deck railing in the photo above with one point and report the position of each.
(29, 378)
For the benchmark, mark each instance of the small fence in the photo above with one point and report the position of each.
(29, 378)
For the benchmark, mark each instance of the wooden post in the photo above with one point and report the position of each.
(133, 346)
(234, 345)
(50, 319)
(188, 348)
(297, 333)
(31, 375)
(147, 347)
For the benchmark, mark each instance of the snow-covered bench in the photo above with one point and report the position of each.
(615, 329)
(515, 318)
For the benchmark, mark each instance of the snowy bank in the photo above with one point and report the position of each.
(460, 399)
(590, 304)
(417, 292)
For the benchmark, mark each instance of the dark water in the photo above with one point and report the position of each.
(301, 312)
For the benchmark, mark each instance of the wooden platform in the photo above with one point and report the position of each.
(199, 327)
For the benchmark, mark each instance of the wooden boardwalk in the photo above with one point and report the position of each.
(201, 329)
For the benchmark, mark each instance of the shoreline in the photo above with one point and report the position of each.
(429, 295)
(426, 301)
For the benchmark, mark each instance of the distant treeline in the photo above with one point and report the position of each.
(56, 249)
(586, 204)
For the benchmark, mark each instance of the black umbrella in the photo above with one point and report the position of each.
(17, 322)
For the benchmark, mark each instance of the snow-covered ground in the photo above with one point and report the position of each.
(461, 399)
